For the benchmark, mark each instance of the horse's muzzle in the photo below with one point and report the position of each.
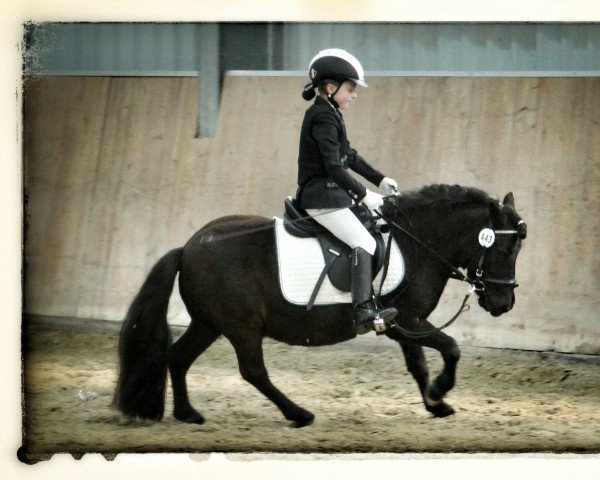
(497, 305)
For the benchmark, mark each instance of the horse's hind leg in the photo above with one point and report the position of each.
(196, 339)
(252, 367)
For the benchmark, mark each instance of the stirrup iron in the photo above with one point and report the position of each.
(379, 324)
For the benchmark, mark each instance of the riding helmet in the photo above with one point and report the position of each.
(333, 64)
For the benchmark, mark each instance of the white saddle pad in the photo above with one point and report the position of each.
(301, 262)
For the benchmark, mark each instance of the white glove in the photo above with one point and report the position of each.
(372, 200)
(389, 186)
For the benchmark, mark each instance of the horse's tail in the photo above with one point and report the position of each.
(144, 342)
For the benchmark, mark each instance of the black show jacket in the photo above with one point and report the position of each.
(324, 157)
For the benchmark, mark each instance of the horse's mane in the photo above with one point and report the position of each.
(443, 197)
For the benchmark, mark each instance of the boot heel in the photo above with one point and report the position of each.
(388, 314)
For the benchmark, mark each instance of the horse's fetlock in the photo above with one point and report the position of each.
(433, 395)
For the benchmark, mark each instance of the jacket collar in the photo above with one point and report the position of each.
(321, 101)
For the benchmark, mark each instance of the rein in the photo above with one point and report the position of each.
(486, 239)
(456, 273)
(476, 285)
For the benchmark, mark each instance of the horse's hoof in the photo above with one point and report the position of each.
(305, 420)
(441, 410)
(190, 416)
(302, 423)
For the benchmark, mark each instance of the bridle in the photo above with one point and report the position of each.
(487, 237)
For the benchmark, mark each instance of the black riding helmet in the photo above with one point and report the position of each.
(333, 64)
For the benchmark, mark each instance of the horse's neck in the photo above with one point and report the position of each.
(468, 225)
(454, 234)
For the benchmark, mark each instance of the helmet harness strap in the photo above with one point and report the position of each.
(331, 95)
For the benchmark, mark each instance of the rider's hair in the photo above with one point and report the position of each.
(322, 85)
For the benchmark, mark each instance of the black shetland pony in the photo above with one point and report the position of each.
(228, 279)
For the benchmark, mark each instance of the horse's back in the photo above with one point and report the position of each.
(228, 257)
(239, 224)
(222, 232)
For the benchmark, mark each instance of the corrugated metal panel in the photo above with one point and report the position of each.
(119, 47)
(150, 48)
(451, 47)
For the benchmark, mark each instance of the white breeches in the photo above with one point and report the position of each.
(345, 226)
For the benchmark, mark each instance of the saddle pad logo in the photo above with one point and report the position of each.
(300, 262)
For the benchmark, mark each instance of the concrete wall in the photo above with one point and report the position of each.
(115, 178)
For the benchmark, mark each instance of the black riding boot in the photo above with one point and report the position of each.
(366, 316)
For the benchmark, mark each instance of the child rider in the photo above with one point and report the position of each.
(325, 188)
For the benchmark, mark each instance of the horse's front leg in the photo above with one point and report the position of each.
(433, 393)
(450, 352)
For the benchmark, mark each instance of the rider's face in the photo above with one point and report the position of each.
(345, 94)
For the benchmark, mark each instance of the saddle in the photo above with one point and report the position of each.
(337, 254)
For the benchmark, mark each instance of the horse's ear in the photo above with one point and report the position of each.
(509, 200)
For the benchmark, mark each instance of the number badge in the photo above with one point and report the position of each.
(487, 237)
